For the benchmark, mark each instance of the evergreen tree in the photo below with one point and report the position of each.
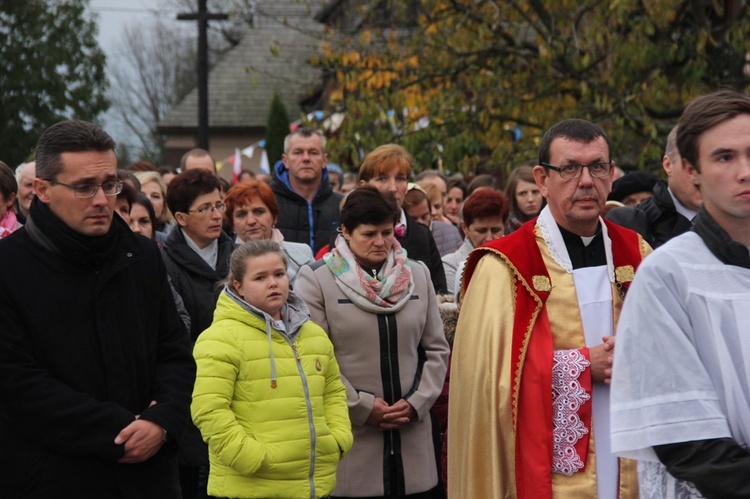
(276, 130)
(51, 68)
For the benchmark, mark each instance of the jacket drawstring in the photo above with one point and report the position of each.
(270, 349)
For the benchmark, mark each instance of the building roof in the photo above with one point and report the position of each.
(273, 57)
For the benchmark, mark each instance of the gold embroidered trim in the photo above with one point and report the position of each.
(624, 273)
(541, 283)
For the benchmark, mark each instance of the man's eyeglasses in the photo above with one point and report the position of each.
(85, 191)
(574, 171)
(209, 208)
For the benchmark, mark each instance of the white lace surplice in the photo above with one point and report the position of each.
(682, 367)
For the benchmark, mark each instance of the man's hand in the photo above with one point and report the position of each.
(601, 357)
(142, 440)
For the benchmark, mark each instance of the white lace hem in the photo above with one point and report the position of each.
(655, 482)
(567, 398)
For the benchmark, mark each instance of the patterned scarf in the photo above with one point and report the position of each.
(388, 293)
(8, 224)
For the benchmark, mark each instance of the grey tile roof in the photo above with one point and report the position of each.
(274, 56)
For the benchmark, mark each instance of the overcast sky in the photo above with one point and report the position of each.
(113, 16)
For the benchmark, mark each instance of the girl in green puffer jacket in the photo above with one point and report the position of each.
(268, 397)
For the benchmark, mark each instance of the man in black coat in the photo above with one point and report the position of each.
(95, 364)
(309, 209)
(670, 211)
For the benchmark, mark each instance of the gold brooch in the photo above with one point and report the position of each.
(624, 273)
(541, 283)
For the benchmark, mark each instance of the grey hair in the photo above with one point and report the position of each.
(306, 133)
(252, 248)
(671, 148)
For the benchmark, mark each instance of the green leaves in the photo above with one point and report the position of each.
(475, 68)
(51, 68)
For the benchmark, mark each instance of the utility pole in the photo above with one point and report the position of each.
(202, 16)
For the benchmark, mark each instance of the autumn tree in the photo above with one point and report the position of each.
(456, 76)
(51, 68)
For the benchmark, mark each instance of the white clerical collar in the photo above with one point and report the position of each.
(681, 208)
(559, 252)
(209, 254)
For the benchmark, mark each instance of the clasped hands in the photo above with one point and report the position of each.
(142, 440)
(386, 417)
(601, 357)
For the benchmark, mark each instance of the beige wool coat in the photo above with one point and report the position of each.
(391, 356)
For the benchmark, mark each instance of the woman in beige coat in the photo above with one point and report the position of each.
(380, 311)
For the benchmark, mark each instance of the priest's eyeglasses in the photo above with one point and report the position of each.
(574, 171)
(85, 191)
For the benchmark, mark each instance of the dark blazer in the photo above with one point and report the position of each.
(194, 280)
(82, 352)
(656, 219)
(295, 214)
(420, 245)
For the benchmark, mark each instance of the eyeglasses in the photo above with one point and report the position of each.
(209, 208)
(85, 191)
(574, 171)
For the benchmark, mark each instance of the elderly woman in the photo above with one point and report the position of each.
(380, 311)
(483, 219)
(252, 213)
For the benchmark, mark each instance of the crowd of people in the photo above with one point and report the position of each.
(296, 335)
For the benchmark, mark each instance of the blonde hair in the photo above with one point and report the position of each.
(155, 177)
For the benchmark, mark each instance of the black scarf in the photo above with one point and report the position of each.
(718, 241)
(87, 252)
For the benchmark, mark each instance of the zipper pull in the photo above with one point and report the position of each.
(296, 353)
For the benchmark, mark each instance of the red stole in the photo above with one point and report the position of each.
(532, 349)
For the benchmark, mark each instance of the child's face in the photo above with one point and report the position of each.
(265, 283)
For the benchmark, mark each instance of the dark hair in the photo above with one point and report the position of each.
(128, 193)
(68, 136)
(525, 173)
(186, 187)
(164, 170)
(8, 182)
(129, 178)
(141, 166)
(253, 248)
(483, 180)
(225, 185)
(143, 200)
(246, 172)
(485, 203)
(575, 130)
(457, 183)
(242, 194)
(367, 205)
(704, 113)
